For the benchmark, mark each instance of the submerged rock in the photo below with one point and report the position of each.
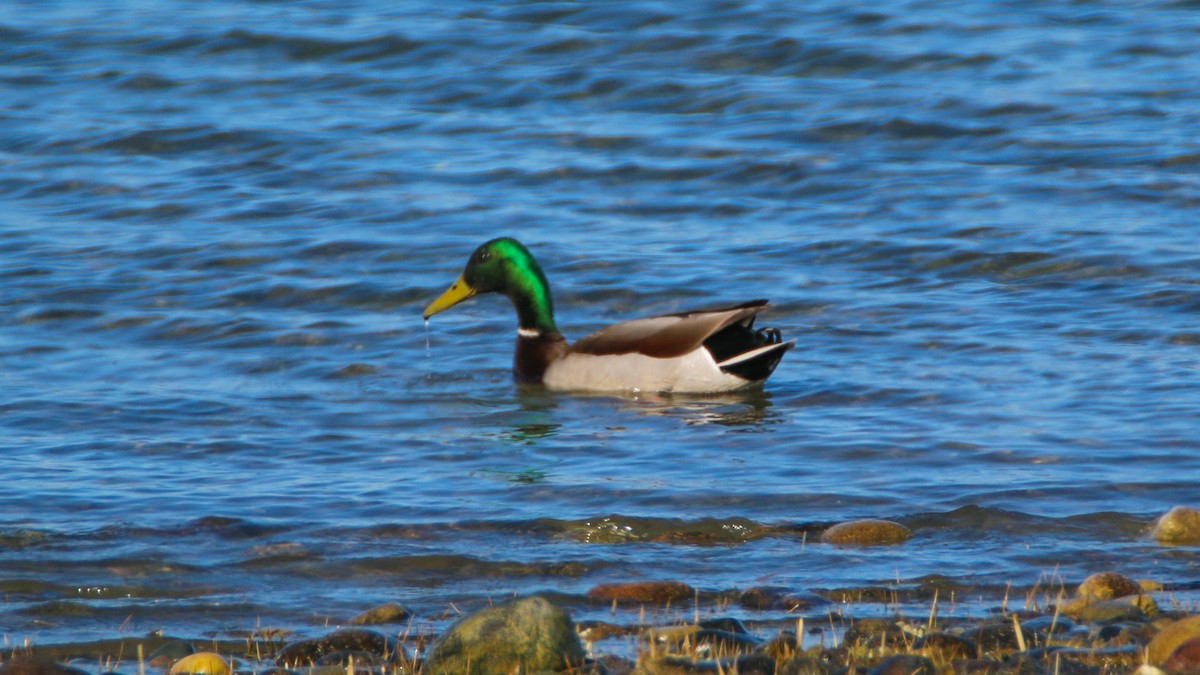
(643, 592)
(389, 613)
(35, 665)
(528, 635)
(1178, 527)
(169, 653)
(867, 533)
(779, 598)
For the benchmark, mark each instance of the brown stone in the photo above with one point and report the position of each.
(867, 533)
(1170, 637)
(1185, 658)
(643, 592)
(1107, 586)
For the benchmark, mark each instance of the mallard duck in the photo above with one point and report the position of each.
(694, 352)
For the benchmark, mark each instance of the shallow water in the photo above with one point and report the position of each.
(221, 409)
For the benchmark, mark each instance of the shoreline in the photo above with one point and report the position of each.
(1107, 624)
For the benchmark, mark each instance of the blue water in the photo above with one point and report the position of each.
(220, 408)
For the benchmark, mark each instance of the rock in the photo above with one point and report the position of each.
(873, 633)
(1185, 658)
(1105, 611)
(782, 647)
(724, 642)
(643, 592)
(944, 647)
(975, 666)
(779, 598)
(528, 635)
(1045, 625)
(867, 533)
(1107, 586)
(595, 631)
(805, 666)
(389, 613)
(995, 637)
(169, 653)
(1178, 527)
(905, 664)
(1130, 633)
(701, 639)
(1170, 637)
(350, 642)
(34, 665)
(202, 663)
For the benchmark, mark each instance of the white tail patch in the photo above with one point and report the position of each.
(753, 353)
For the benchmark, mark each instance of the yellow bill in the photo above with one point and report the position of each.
(459, 290)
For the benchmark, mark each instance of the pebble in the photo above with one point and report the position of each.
(643, 592)
(867, 533)
(1178, 527)
(528, 635)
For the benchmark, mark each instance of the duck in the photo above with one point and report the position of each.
(695, 352)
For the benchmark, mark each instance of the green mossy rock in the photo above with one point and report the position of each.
(528, 635)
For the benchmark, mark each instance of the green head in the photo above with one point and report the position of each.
(506, 267)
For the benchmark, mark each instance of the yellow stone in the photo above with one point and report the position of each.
(203, 663)
(1178, 527)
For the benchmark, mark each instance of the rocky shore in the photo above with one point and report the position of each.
(1109, 623)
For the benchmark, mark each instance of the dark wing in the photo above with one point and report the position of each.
(667, 336)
